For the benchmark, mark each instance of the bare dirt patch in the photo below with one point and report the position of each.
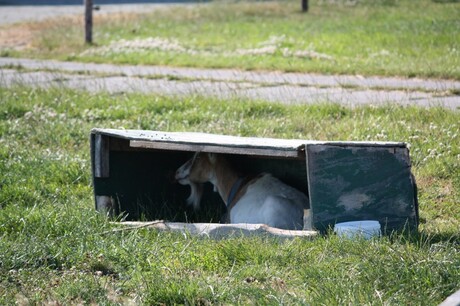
(17, 37)
(23, 36)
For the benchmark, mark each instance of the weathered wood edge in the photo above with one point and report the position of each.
(217, 149)
(192, 138)
(101, 156)
(202, 139)
(218, 231)
(452, 300)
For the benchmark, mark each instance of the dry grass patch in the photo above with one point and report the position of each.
(17, 37)
(57, 34)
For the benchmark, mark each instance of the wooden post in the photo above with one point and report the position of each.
(101, 156)
(304, 5)
(89, 21)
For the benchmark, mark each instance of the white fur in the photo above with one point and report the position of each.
(267, 200)
(271, 202)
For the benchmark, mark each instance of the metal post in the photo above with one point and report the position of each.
(89, 21)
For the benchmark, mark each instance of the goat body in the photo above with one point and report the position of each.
(264, 199)
(268, 200)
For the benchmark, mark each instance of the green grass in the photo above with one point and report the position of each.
(395, 37)
(54, 247)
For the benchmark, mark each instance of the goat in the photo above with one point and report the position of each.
(261, 199)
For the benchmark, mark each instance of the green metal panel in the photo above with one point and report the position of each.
(348, 183)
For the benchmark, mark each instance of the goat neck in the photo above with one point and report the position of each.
(224, 177)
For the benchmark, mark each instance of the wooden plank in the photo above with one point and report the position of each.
(104, 204)
(203, 139)
(220, 231)
(296, 154)
(453, 300)
(232, 141)
(101, 156)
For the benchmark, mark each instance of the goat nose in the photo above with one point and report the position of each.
(179, 174)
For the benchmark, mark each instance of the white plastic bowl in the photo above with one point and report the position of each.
(358, 229)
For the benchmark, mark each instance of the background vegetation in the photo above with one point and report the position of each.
(54, 247)
(377, 37)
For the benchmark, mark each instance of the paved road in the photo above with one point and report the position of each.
(10, 14)
(288, 88)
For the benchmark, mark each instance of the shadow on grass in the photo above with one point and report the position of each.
(426, 239)
(446, 1)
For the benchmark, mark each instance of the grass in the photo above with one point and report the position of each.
(54, 247)
(383, 37)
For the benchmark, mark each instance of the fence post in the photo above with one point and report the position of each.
(89, 21)
(304, 5)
